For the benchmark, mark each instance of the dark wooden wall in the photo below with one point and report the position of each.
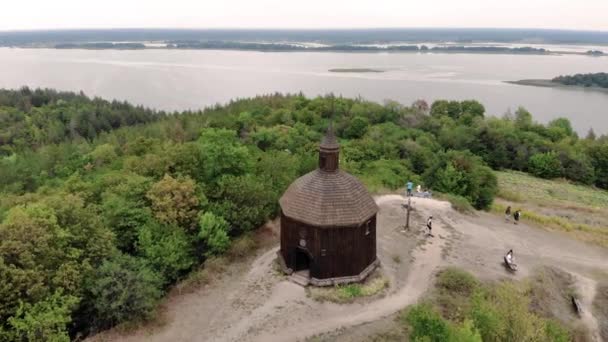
(335, 251)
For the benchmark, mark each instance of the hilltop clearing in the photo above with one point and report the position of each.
(252, 302)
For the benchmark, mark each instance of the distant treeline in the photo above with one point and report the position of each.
(599, 79)
(100, 46)
(223, 45)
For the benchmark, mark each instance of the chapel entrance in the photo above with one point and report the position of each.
(302, 260)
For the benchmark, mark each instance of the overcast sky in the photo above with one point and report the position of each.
(45, 14)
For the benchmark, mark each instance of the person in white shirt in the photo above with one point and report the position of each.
(510, 256)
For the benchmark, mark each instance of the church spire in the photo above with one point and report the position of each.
(329, 151)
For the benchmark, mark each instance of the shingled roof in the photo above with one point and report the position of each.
(328, 199)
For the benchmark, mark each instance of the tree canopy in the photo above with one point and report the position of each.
(103, 205)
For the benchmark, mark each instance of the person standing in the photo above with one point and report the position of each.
(429, 225)
(517, 216)
(410, 187)
(508, 214)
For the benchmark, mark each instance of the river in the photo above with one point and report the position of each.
(192, 79)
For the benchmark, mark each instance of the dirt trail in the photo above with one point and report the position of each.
(256, 303)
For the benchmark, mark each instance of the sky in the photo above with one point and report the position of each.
(61, 14)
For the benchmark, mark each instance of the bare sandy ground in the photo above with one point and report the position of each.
(253, 302)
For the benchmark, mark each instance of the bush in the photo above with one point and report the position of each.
(456, 280)
(214, 232)
(427, 324)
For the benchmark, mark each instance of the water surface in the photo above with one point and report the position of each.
(191, 79)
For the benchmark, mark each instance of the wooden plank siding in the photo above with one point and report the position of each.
(335, 251)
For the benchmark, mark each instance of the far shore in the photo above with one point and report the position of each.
(551, 84)
(355, 70)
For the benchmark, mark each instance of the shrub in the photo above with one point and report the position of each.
(427, 324)
(456, 280)
(214, 232)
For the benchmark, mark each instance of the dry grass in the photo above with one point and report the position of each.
(600, 309)
(521, 187)
(349, 293)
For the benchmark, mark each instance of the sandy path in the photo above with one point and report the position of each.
(255, 303)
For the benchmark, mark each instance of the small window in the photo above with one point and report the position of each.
(368, 229)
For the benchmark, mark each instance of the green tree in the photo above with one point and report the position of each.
(123, 288)
(599, 159)
(545, 165)
(45, 320)
(473, 107)
(357, 128)
(167, 249)
(222, 155)
(176, 201)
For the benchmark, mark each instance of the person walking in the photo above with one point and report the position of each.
(508, 214)
(517, 216)
(429, 225)
(410, 187)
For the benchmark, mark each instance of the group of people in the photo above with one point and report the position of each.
(509, 258)
(516, 215)
(419, 192)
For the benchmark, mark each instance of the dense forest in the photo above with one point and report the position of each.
(599, 79)
(103, 205)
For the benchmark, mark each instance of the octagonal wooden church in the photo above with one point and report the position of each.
(328, 224)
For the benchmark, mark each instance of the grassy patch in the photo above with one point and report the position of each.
(349, 293)
(463, 309)
(581, 211)
(584, 232)
(242, 247)
(459, 203)
(519, 187)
